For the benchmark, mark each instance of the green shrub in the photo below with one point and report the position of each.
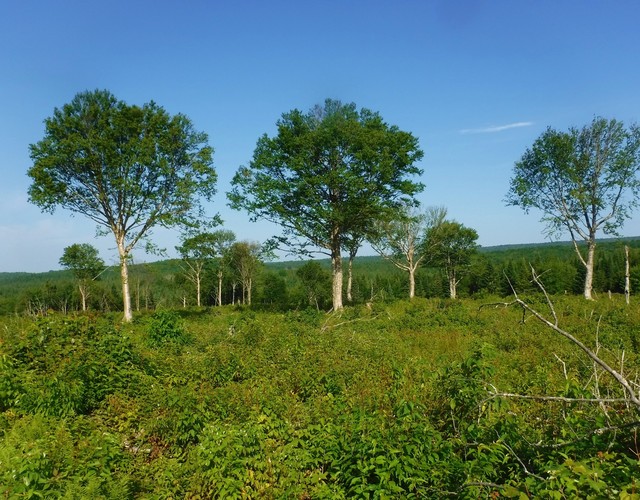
(166, 327)
(42, 457)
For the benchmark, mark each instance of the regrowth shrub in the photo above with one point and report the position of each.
(166, 327)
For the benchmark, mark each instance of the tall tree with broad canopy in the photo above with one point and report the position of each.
(582, 181)
(127, 168)
(326, 174)
(84, 261)
(400, 238)
(451, 245)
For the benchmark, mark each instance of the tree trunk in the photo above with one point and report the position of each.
(249, 285)
(588, 279)
(412, 282)
(350, 279)
(336, 267)
(453, 291)
(627, 275)
(83, 296)
(198, 287)
(219, 288)
(124, 275)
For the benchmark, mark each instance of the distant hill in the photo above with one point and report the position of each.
(173, 265)
(633, 241)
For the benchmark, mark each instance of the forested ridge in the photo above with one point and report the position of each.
(163, 284)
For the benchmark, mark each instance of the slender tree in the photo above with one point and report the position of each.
(84, 261)
(451, 246)
(327, 173)
(315, 281)
(127, 168)
(583, 181)
(201, 249)
(627, 275)
(399, 238)
(353, 242)
(223, 241)
(195, 252)
(244, 257)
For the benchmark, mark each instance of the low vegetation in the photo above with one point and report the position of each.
(396, 399)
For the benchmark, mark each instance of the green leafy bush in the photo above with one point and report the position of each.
(166, 327)
(45, 457)
(394, 402)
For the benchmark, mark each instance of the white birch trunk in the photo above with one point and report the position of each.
(198, 288)
(349, 279)
(588, 279)
(336, 269)
(336, 266)
(453, 289)
(627, 275)
(124, 275)
(83, 296)
(412, 281)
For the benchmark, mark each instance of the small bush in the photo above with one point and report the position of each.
(167, 327)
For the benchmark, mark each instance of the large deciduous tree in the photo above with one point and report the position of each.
(127, 168)
(583, 180)
(327, 174)
(84, 261)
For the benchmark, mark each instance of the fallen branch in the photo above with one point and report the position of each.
(633, 397)
(561, 399)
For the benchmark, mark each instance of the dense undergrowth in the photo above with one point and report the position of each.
(397, 401)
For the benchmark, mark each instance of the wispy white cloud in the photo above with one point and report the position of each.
(495, 128)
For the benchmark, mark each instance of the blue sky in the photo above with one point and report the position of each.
(476, 81)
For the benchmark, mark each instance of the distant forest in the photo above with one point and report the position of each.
(277, 285)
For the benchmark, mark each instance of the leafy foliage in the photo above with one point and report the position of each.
(451, 245)
(126, 168)
(167, 327)
(326, 177)
(397, 401)
(583, 181)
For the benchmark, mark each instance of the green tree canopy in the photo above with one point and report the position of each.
(327, 174)
(582, 181)
(399, 238)
(450, 246)
(245, 261)
(128, 168)
(199, 249)
(316, 282)
(84, 261)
